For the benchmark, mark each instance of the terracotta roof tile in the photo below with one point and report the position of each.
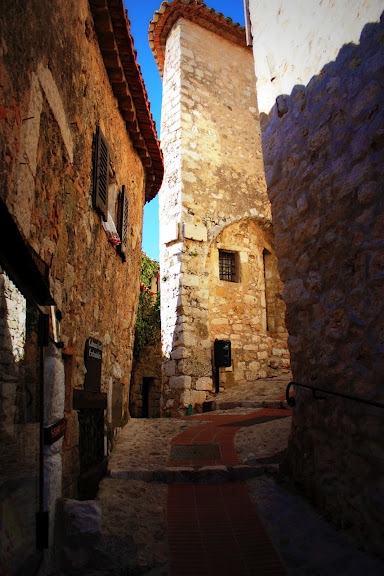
(116, 45)
(195, 11)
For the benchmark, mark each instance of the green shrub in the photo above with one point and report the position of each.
(147, 326)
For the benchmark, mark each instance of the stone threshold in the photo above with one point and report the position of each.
(198, 474)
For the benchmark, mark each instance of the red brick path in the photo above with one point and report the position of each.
(213, 529)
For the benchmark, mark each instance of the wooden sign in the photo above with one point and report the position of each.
(86, 399)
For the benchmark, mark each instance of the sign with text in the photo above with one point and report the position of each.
(93, 354)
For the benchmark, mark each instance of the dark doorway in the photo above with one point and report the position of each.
(147, 385)
(21, 466)
(24, 290)
(93, 463)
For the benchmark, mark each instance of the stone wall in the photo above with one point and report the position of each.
(310, 34)
(323, 153)
(19, 424)
(250, 313)
(13, 311)
(213, 179)
(55, 92)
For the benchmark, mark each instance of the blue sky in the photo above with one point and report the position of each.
(140, 14)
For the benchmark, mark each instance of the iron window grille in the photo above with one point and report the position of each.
(227, 266)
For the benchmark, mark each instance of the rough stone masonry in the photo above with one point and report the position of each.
(213, 205)
(323, 138)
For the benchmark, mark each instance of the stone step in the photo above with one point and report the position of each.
(198, 474)
(214, 405)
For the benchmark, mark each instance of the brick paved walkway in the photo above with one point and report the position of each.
(213, 529)
(191, 465)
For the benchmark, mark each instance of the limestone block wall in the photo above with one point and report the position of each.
(323, 153)
(250, 313)
(213, 178)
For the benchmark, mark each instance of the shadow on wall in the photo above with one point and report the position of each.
(19, 428)
(234, 295)
(325, 183)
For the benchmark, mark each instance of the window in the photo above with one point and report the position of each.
(227, 266)
(107, 198)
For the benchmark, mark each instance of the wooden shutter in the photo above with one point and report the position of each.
(123, 224)
(101, 175)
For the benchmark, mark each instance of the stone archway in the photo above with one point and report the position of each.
(245, 302)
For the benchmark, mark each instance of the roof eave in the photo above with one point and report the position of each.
(195, 11)
(116, 45)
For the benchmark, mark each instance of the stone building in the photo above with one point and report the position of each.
(79, 157)
(320, 91)
(218, 269)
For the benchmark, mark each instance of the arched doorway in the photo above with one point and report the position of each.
(20, 431)
(24, 302)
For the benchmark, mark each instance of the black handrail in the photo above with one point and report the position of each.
(292, 402)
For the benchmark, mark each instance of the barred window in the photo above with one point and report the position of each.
(227, 266)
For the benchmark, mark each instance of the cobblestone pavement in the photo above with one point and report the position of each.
(133, 498)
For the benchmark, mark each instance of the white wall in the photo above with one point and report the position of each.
(294, 39)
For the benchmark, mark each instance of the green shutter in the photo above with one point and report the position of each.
(123, 224)
(101, 175)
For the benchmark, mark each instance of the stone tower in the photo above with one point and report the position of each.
(218, 269)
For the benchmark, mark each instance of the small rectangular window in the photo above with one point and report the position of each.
(227, 266)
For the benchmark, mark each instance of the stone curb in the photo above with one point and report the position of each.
(198, 474)
(214, 405)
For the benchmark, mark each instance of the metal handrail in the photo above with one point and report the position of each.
(292, 402)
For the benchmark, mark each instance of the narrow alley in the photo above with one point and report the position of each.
(144, 424)
(203, 495)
